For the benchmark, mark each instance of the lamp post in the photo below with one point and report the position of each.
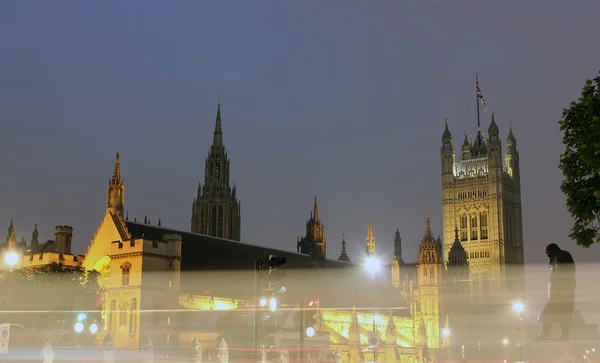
(446, 335)
(504, 346)
(518, 307)
(373, 265)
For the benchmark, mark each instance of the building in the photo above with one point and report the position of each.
(35, 253)
(313, 243)
(481, 196)
(216, 209)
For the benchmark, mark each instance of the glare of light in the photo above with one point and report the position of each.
(593, 349)
(272, 304)
(505, 341)
(372, 265)
(221, 306)
(377, 318)
(518, 307)
(310, 332)
(93, 328)
(263, 302)
(11, 258)
(81, 316)
(78, 327)
(587, 351)
(445, 332)
(311, 303)
(584, 357)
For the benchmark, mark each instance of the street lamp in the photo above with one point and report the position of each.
(518, 307)
(372, 265)
(11, 259)
(505, 345)
(446, 335)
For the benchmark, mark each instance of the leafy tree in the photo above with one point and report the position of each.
(46, 299)
(580, 163)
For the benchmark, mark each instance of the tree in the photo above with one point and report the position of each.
(580, 163)
(46, 299)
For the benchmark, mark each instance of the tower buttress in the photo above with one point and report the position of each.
(216, 209)
(116, 189)
(370, 240)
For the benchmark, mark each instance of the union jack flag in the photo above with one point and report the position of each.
(479, 94)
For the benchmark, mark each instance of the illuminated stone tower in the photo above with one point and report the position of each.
(11, 239)
(370, 240)
(430, 279)
(483, 198)
(313, 243)
(116, 189)
(216, 209)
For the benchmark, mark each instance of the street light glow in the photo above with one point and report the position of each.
(78, 327)
(273, 304)
(11, 259)
(263, 302)
(505, 341)
(518, 307)
(372, 265)
(93, 328)
(445, 332)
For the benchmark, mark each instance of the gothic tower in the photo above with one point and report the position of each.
(313, 243)
(483, 198)
(11, 239)
(429, 281)
(116, 189)
(216, 209)
(370, 240)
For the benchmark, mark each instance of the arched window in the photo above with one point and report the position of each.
(431, 273)
(133, 318)
(125, 268)
(123, 312)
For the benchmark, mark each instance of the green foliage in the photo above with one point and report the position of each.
(47, 298)
(580, 163)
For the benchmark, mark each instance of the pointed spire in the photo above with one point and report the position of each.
(116, 177)
(218, 137)
(447, 135)
(398, 246)
(159, 223)
(316, 210)
(466, 144)
(35, 236)
(493, 129)
(370, 240)
(457, 256)
(511, 140)
(428, 228)
(10, 237)
(344, 254)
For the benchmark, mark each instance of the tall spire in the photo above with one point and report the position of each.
(370, 240)
(316, 210)
(344, 254)
(398, 246)
(116, 189)
(11, 239)
(35, 236)
(218, 137)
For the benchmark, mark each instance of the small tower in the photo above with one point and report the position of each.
(11, 239)
(370, 240)
(35, 239)
(398, 246)
(397, 262)
(429, 268)
(344, 255)
(116, 189)
(62, 239)
(314, 243)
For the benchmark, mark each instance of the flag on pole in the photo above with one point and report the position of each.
(479, 94)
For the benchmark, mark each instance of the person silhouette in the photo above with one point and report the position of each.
(561, 293)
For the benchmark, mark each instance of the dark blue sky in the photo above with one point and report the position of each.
(344, 100)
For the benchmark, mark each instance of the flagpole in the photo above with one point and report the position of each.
(477, 98)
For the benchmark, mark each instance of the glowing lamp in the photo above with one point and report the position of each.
(445, 332)
(310, 332)
(11, 259)
(78, 327)
(518, 307)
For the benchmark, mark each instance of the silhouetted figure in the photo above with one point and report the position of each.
(561, 293)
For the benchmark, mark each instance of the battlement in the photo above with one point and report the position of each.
(63, 229)
(40, 259)
(168, 246)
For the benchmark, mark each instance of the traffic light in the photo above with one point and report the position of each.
(310, 317)
(275, 275)
(82, 323)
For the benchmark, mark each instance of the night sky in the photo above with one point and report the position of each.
(345, 100)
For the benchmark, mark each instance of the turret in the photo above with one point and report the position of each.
(35, 239)
(512, 154)
(344, 254)
(447, 155)
(370, 240)
(62, 239)
(466, 148)
(398, 246)
(11, 239)
(495, 147)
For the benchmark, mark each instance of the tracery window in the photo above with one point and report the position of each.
(123, 312)
(133, 318)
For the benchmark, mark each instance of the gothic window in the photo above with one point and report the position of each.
(474, 234)
(105, 274)
(123, 312)
(220, 231)
(218, 172)
(133, 318)
(474, 221)
(431, 273)
(425, 272)
(125, 268)
(463, 221)
(484, 225)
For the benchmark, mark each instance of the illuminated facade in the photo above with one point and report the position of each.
(482, 198)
